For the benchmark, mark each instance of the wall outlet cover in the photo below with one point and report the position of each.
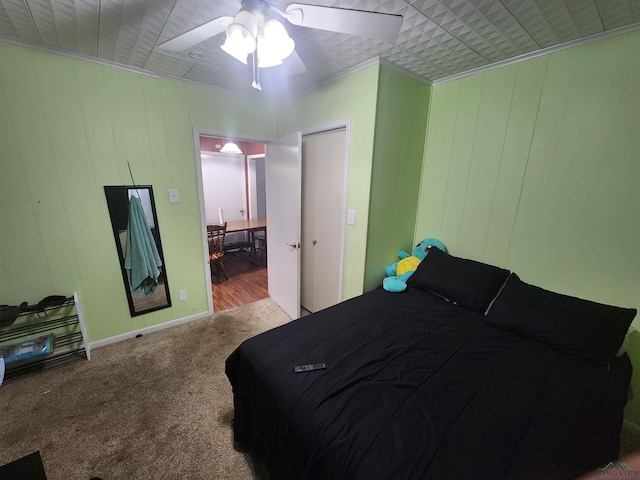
(351, 217)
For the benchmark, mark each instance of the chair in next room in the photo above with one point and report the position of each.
(216, 236)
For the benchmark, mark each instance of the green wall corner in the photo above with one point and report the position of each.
(401, 121)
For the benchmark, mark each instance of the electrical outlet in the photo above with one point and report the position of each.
(182, 295)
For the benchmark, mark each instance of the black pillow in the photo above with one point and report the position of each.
(573, 325)
(467, 283)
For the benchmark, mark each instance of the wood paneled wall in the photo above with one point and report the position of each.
(67, 128)
(536, 167)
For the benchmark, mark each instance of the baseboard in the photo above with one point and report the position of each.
(146, 330)
(631, 427)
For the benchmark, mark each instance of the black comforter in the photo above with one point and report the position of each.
(419, 388)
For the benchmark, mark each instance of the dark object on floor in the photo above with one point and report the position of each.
(9, 313)
(29, 467)
(231, 249)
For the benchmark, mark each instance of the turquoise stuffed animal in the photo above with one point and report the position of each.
(399, 272)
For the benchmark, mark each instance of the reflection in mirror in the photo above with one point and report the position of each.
(137, 236)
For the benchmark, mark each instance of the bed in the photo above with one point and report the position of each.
(470, 373)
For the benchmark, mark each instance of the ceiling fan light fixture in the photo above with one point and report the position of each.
(241, 36)
(236, 50)
(244, 26)
(274, 45)
(230, 147)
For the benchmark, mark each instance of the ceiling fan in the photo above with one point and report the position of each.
(256, 30)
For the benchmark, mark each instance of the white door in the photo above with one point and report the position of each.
(283, 185)
(323, 218)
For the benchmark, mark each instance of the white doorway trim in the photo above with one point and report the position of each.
(343, 124)
(251, 193)
(324, 127)
(202, 132)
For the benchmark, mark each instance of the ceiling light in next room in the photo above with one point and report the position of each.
(230, 147)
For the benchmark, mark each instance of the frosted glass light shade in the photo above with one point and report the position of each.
(241, 36)
(236, 50)
(230, 147)
(274, 45)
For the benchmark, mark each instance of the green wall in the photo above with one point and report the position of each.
(69, 127)
(534, 167)
(401, 119)
(387, 112)
(354, 98)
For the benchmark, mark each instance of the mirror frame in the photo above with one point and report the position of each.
(113, 193)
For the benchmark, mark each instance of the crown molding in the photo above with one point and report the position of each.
(332, 78)
(538, 53)
(274, 97)
(405, 72)
(119, 66)
(79, 56)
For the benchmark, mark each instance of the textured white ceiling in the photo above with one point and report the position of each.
(438, 38)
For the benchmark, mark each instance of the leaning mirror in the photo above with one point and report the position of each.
(137, 236)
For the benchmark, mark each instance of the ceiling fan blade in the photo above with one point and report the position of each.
(294, 64)
(196, 35)
(383, 26)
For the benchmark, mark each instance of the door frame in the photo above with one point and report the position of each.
(342, 124)
(205, 132)
(250, 176)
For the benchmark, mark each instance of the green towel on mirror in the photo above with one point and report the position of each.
(141, 256)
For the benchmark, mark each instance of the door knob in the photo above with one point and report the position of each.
(294, 245)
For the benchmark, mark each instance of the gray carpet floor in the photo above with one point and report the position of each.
(154, 407)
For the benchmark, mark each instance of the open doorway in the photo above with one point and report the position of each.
(283, 185)
(233, 187)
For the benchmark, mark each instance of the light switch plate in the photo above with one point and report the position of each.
(174, 196)
(182, 295)
(351, 217)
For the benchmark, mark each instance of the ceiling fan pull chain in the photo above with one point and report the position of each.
(255, 63)
(253, 70)
(256, 73)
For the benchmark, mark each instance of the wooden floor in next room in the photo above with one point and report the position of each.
(247, 281)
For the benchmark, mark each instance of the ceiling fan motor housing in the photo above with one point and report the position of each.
(259, 7)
